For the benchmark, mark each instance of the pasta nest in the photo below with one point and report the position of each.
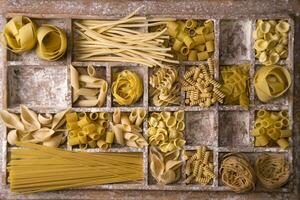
(127, 88)
(272, 170)
(20, 34)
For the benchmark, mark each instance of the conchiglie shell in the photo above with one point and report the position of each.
(260, 45)
(172, 164)
(43, 134)
(54, 141)
(168, 177)
(29, 119)
(265, 27)
(45, 119)
(12, 137)
(11, 120)
(59, 119)
(274, 57)
(156, 166)
(282, 27)
(171, 122)
(263, 57)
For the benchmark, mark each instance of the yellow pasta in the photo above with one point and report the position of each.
(165, 130)
(20, 34)
(271, 40)
(270, 127)
(29, 126)
(58, 169)
(127, 88)
(191, 40)
(52, 42)
(271, 82)
(86, 129)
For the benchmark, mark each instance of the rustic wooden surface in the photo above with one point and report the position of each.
(226, 8)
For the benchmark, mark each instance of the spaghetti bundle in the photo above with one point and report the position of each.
(122, 41)
(37, 168)
(237, 172)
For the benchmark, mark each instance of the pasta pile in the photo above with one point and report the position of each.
(52, 42)
(236, 85)
(272, 127)
(165, 88)
(88, 90)
(44, 129)
(271, 40)
(127, 88)
(200, 86)
(127, 128)
(89, 130)
(122, 41)
(199, 167)
(237, 172)
(36, 168)
(272, 170)
(165, 167)
(20, 34)
(166, 130)
(192, 41)
(271, 82)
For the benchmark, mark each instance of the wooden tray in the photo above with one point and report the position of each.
(45, 87)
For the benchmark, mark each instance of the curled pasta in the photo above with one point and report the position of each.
(52, 42)
(127, 88)
(20, 34)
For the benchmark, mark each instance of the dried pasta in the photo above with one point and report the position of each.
(271, 82)
(271, 41)
(193, 41)
(52, 42)
(91, 130)
(272, 170)
(88, 90)
(127, 88)
(165, 87)
(20, 34)
(36, 168)
(122, 41)
(127, 128)
(272, 127)
(165, 167)
(199, 167)
(30, 127)
(166, 130)
(236, 85)
(237, 172)
(200, 86)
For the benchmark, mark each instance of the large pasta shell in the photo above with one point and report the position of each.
(168, 177)
(29, 119)
(12, 137)
(53, 141)
(59, 119)
(43, 134)
(11, 120)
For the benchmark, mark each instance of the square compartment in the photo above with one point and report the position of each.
(234, 129)
(30, 57)
(200, 22)
(100, 73)
(280, 101)
(180, 72)
(142, 72)
(152, 181)
(200, 128)
(248, 85)
(38, 87)
(235, 41)
(211, 160)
